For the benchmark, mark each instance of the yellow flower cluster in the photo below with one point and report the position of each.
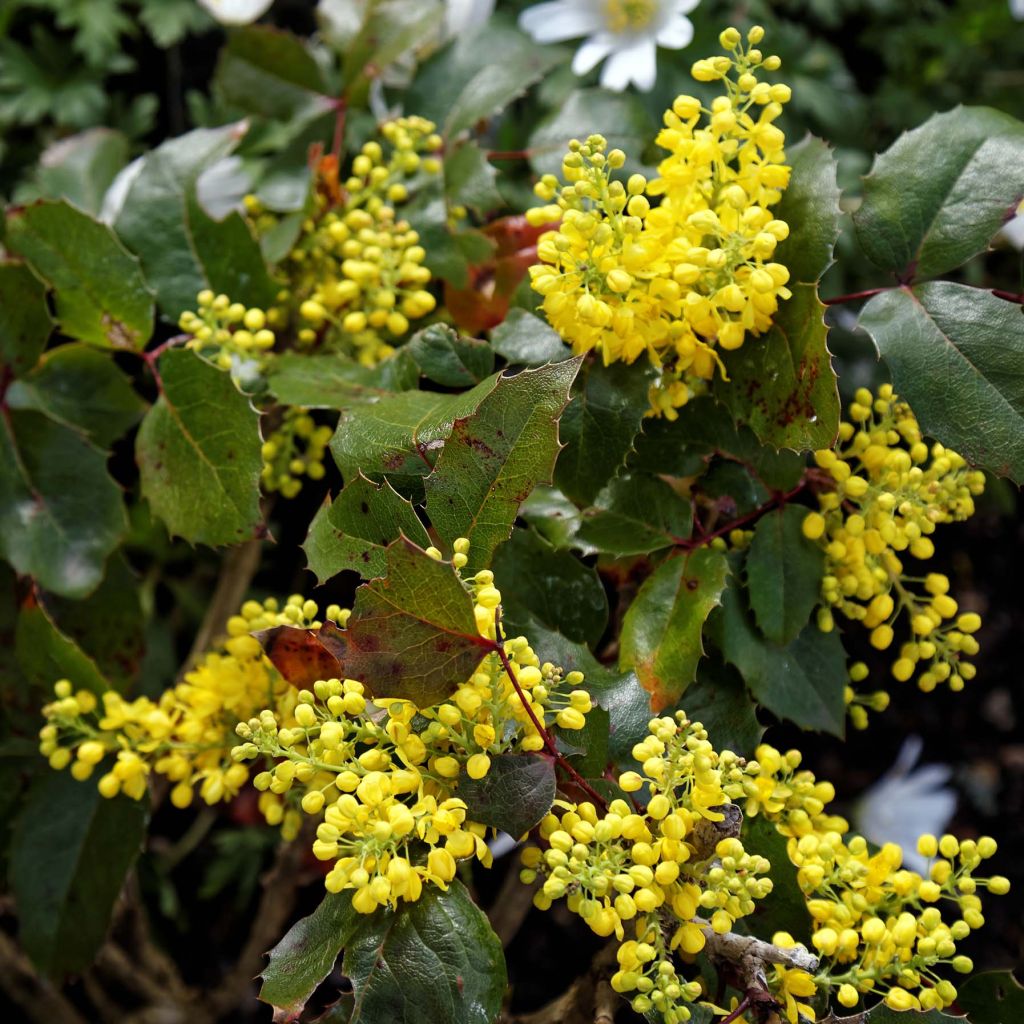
(384, 785)
(890, 492)
(640, 866)
(295, 449)
(877, 926)
(236, 338)
(692, 271)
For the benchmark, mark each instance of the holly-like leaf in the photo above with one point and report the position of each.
(993, 997)
(786, 909)
(101, 296)
(794, 403)
(80, 168)
(448, 359)
(539, 583)
(265, 71)
(198, 451)
(784, 571)
(526, 340)
(82, 387)
(412, 634)
(303, 656)
(389, 29)
(60, 513)
(937, 196)
(435, 961)
(661, 631)
(720, 701)
(635, 514)
(183, 250)
(354, 530)
(495, 456)
(802, 681)
(334, 382)
(24, 319)
(69, 855)
(954, 353)
(599, 426)
(401, 435)
(514, 795)
(470, 179)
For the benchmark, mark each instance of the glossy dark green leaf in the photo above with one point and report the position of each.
(526, 340)
(101, 296)
(553, 516)
(785, 908)
(496, 455)
(587, 748)
(720, 701)
(954, 353)
(265, 71)
(389, 28)
(448, 359)
(336, 382)
(784, 571)
(937, 196)
(661, 631)
(992, 997)
(70, 852)
(538, 582)
(514, 795)
(354, 530)
(46, 654)
(599, 426)
(401, 435)
(60, 513)
(84, 388)
(183, 250)
(198, 451)
(412, 634)
(635, 515)
(24, 319)
(802, 681)
(80, 168)
(782, 384)
(470, 179)
(435, 961)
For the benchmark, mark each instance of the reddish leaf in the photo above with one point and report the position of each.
(303, 656)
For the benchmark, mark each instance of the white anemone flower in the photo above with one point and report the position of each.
(626, 32)
(236, 12)
(907, 802)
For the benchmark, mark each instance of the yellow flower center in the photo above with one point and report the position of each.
(629, 15)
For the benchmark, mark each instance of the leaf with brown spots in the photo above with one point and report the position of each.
(303, 656)
(413, 634)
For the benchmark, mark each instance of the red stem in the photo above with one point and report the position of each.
(509, 154)
(499, 649)
(777, 499)
(1009, 296)
(738, 1012)
(852, 297)
(341, 110)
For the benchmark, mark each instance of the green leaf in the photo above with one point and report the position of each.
(514, 795)
(100, 292)
(354, 531)
(435, 961)
(525, 339)
(335, 382)
(720, 701)
(182, 249)
(413, 635)
(495, 456)
(554, 587)
(265, 71)
(470, 179)
(802, 681)
(24, 319)
(389, 29)
(784, 571)
(46, 654)
(60, 513)
(69, 855)
(463, 83)
(401, 435)
(448, 359)
(552, 515)
(83, 388)
(587, 748)
(993, 997)
(661, 631)
(635, 515)
(620, 116)
(82, 167)
(954, 353)
(795, 402)
(785, 907)
(937, 196)
(198, 451)
(599, 426)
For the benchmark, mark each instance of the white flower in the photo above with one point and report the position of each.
(236, 12)
(1017, 9)
(906, 803)
(627, 32)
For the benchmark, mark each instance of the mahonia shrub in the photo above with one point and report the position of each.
(584, 518)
